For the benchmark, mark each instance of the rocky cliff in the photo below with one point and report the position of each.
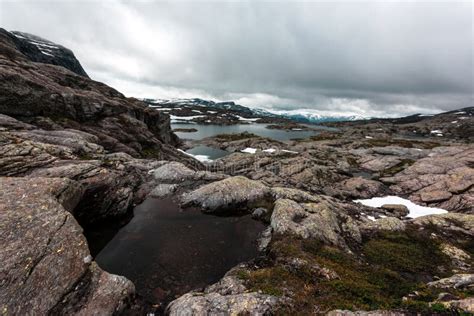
(53, 97)
(41, 50)
(71, 155)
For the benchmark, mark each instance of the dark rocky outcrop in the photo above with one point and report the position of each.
(54, 98)
(41, 50)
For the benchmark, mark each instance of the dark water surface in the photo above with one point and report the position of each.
(210, 152)
(166, 251)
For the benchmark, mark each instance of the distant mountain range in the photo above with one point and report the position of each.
(302, 116)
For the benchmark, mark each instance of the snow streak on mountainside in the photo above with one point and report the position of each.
(304, 116)
(41, 50)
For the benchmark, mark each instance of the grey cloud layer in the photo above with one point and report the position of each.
(405, 56)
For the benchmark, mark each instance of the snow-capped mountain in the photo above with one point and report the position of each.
(41, 50)
(311, 116)
(303, 116)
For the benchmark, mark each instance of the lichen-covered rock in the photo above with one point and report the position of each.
(455, 281)
(163, 190)
(466, 305)
(461, 259)
(98, 293)
(315, 220)
(383, 224)
(196, 304)
(227, 297)
(231, 192)
(293, 194)
(454, 222)
(44, 254)
(360, 188)
(173, 172)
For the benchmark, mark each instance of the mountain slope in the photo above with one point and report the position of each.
(40, 50)
(54, 97)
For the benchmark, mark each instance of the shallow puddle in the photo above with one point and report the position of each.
(166, 251)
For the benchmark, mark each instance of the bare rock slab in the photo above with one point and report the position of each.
(43, 252)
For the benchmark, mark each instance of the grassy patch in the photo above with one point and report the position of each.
(388, 267)
(412, 252)
(151, 153)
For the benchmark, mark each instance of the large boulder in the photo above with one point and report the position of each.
(315, 220)
(229, 296)
(383, 224)
(45, 258)
(238, 192)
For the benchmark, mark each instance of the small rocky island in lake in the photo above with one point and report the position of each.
(104, 210)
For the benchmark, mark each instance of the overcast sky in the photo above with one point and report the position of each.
(340, 57)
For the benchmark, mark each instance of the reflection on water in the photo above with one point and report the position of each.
(257, 129)
(211, 152)
(166, 251)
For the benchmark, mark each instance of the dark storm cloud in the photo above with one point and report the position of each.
(366, 58)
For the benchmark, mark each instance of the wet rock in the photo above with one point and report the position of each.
(259, 213)
(265, 238)
(231, 192)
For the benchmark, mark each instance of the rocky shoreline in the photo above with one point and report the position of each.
(75, 153)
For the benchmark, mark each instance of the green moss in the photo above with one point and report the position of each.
(411, 252)
(85, 156)
(270, 280)
(388, 267)
(405, 163)
(151, 153)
